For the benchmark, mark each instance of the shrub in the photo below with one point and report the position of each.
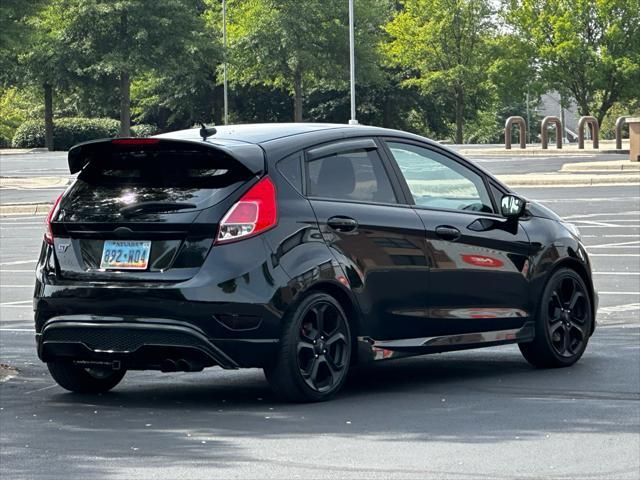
(12, 114)
(68, 132)
(143, 130)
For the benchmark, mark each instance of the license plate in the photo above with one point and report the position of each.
(125, 255)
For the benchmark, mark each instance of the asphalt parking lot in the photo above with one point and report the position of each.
(476, 414)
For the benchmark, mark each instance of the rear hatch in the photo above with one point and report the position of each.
(147, 209)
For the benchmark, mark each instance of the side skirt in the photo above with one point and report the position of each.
(374, 350)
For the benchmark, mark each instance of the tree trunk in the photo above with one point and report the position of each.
(386, 110)
(459, 115)
(125, 104)
(297, 96)
(48, 116)
(217, 108)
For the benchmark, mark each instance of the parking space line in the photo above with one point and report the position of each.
(592, 215)
(41, 389)
(10, 219)
(16, 303)
(614, 254)
(18, 262)
(629, 307)
(608, 226)
(624, 235)
(593, 223)
(619, 293)
(616, 273)
(30, 330)
(590, 200)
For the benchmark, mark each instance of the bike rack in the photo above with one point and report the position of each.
(619, 124)
(595, 131)
(507, 132)
(544, 130)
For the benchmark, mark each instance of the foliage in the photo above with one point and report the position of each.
(15, 108)
(442, 68)
(15, 32)
(619, 109)
(273, 43)
(126, 39)
(71, 131)
(588, 49)
(443, 45)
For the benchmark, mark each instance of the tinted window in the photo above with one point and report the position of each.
(438, 181)
(353, 175)
(123, 178)
(290, 169)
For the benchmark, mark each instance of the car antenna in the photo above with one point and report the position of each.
(206, 132)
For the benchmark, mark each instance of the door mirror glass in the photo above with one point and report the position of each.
(512, 206)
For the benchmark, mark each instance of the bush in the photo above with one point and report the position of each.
(143, 130)
(12, 114)
(68, 132)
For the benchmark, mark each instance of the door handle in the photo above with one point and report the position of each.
(447, 232)
(342, 224)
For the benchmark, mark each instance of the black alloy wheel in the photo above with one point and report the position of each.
(567, 315)
(323, 349)
(564, 323)
(315, 351)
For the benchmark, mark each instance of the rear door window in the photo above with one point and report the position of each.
(356, 175)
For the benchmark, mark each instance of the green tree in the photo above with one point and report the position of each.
(181, 97)
(297, 46)
(588, 49)
(34, 55)
(442, 44)
(125, 39)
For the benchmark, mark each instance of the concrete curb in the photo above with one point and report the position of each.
(22, 151)
(535, 152)
(31, 183)
(14, 151)
(606, 166)
(573, 179)
(25, 209)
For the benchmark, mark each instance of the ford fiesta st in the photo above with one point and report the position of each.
(301, 249)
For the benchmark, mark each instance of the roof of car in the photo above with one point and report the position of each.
(264, 132)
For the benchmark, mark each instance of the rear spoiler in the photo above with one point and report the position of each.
(248, 154)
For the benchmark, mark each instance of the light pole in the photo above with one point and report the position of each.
(224, 63)
(352, 66)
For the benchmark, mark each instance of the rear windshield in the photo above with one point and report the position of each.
(121, 178)
(172, 168)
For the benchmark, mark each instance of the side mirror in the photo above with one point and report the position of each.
(512, 206)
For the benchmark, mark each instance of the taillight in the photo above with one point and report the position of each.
(48, 233)
(254, 213)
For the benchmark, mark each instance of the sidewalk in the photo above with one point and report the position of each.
(535, 149)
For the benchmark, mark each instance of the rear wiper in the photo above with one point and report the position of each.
(154, 207)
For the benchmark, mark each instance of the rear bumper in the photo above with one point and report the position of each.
(146, 344)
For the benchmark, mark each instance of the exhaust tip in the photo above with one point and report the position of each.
(168, 365)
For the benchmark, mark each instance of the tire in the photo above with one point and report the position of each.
(84, 380)
(315, 351)
(564, 323)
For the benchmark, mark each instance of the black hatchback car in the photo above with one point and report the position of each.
(301, 249)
